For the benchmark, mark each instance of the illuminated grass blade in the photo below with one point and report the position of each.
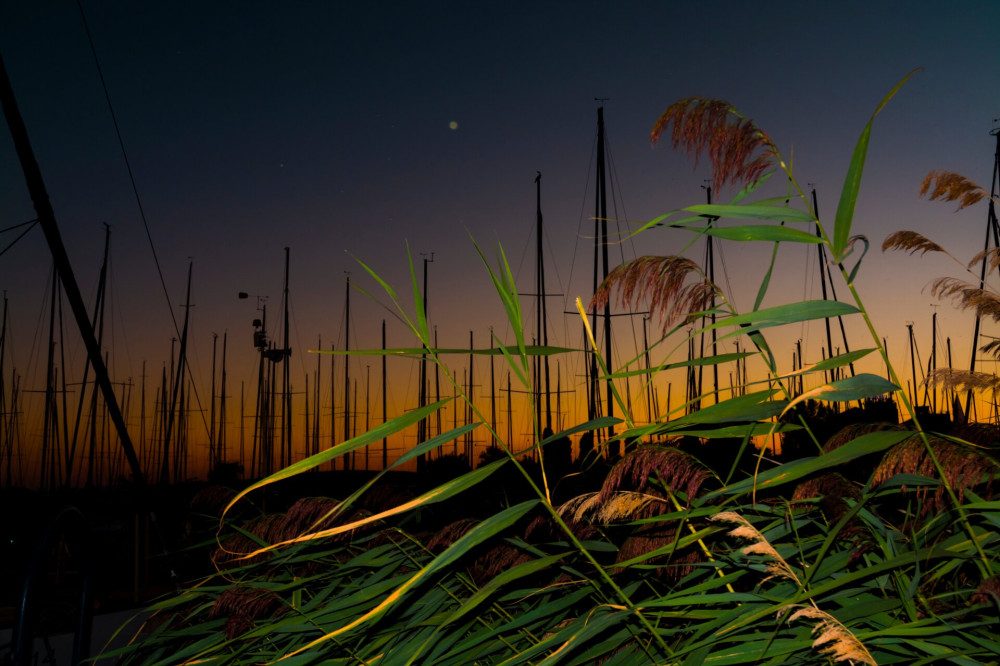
(476, 535)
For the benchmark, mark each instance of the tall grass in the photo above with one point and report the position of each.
(881, 548)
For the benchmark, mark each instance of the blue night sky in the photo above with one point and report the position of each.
(327, 127)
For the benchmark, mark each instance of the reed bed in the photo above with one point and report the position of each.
(880, 547)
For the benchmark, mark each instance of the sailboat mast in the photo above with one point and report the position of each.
(348, 460)
(286, 393)
(601, 213)
(385, 441)
(47, 220)
(178, 380)
(992, 230)
(541, 308)
(221, 431)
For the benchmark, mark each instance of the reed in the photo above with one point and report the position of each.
(881, 548)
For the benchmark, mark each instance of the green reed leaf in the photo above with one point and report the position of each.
(752, 212)
(864, 385)
(852, 181)
(796, 469)
(761, 232)
(377, 433)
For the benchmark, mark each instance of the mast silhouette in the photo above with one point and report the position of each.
(348, 459)
(541, 312)
(47, 220)
(992, 233)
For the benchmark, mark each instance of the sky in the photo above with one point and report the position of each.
(356, 132)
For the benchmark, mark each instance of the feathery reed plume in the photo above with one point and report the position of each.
(992, 257)
(543, 529)
(988, 591)
(964, 468)
(211, 500)
(992, 347)
(981, 434)
(964, 380)
(910, 241)
(851, 432)
(661, 280)
(242, 605)
(843, 645)
(967, 296)
(777, 566)
(615, 507)
(680, 471)
(950, 186)
(832, 486)
(449, 534)
(674, 564)
(740, 151)
(578, 508)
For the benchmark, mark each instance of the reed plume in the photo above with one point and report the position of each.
(950, 186)
(777, 566)
(664, 281)
(967, 296)
(614, 507)
(740, 151)
(963, 468)
(964, 380)
(992, 257)
(242, 605)
(911, 242)
(679, 471)
(852, 431)
(834, 640)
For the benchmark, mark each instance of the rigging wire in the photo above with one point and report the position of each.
(32, 224)
(128, 165)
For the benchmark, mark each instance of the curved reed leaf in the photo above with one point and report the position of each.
(863, 385)
(377, 433)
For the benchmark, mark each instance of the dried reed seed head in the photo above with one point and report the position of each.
(495, 561)
(674, 564)
(950, 186)
(964, 468)
(851, 432)
(627, 506)
(664, 281)
(740, 152)
(910, 241)
(680, 471)
(308, 513)
(967, 296)
(963, 380)
(981, 434)
(826, 485)
(844, 645)
(543, 529)
(448, 535)
(988, 592)
(992, 257)
(579, 508)
(211, 500)
(777, 567)
(992, 348)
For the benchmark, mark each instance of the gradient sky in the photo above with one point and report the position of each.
(348, 130)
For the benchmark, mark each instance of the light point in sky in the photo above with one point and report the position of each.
(453, 125)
